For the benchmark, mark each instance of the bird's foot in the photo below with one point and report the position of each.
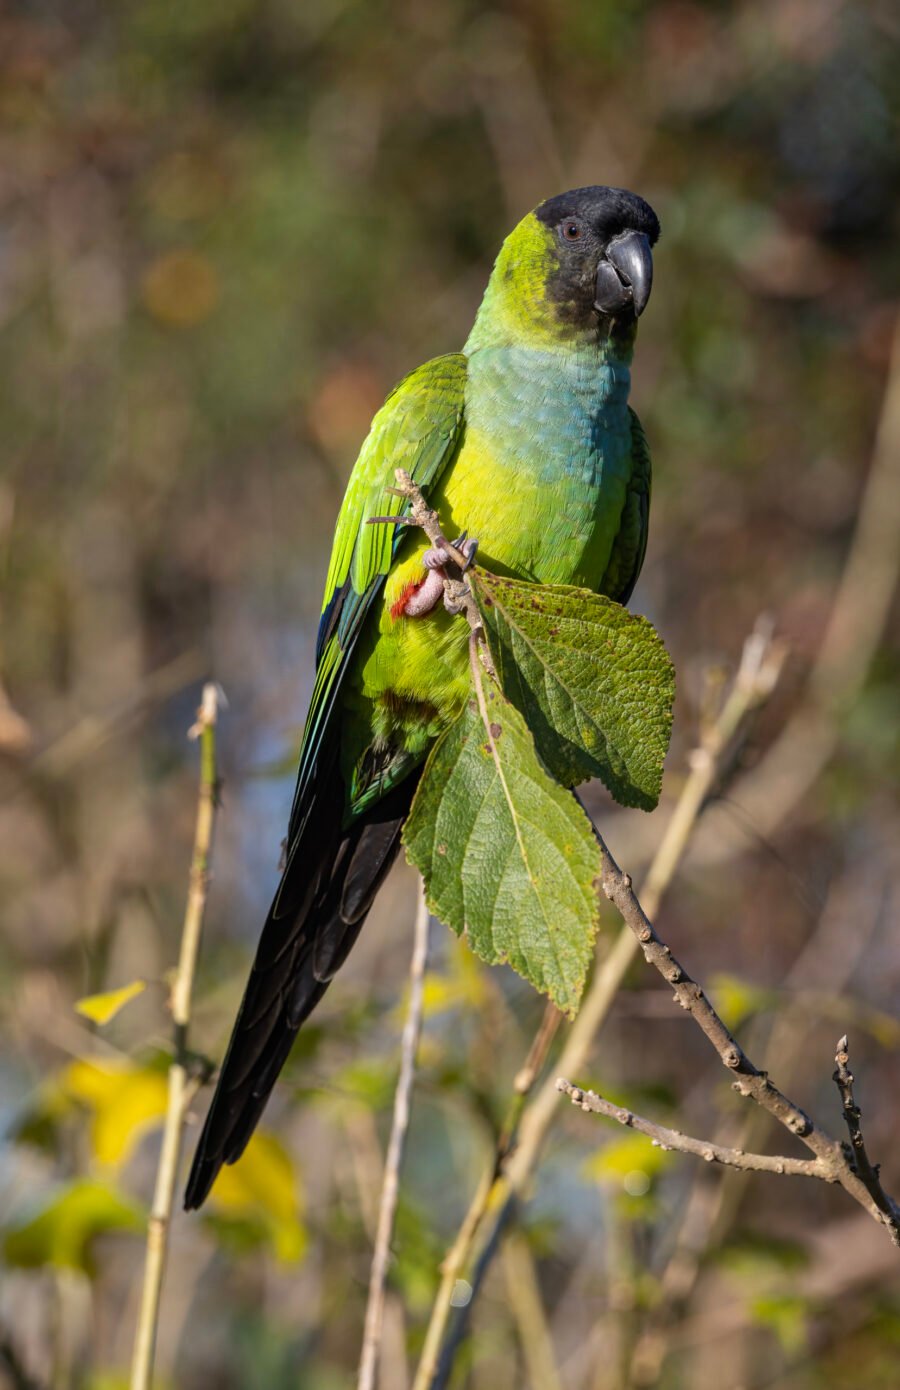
(421, 598)
(437, 556)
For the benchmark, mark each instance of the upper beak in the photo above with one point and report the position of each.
(625, 277)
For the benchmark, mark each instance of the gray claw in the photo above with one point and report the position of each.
(469, 548)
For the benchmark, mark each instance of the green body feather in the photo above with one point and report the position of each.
(526, 441)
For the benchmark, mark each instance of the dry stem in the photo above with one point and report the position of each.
(867, 1171)
(412, 1028)
(181, 1086)
(834, 1162)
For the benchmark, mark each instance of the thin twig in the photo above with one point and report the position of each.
(749, 1080)
(867, 1171)
(182, 1086)
(381, 1255)
(829, 955)
(665, 1138)
(511, 1164)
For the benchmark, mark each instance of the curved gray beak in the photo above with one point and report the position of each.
(625, 277)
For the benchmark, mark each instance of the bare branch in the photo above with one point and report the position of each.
(387, 1210)
(867, 1172)
(182, 1086)
(666, 1138)
(749, 1081)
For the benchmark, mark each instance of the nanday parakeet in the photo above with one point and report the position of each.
(525, 440)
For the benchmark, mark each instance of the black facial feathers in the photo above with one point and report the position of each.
(583, 222)
(606, 211)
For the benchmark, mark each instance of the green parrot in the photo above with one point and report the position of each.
(524, 439)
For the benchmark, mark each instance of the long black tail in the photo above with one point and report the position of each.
(328, 886)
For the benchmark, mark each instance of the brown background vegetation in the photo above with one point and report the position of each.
(226, 228)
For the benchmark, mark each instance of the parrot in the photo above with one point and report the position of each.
(524, 440)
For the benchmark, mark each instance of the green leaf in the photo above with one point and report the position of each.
(101, 1008)
(593, 682)
(63, 1231)
(507, 855)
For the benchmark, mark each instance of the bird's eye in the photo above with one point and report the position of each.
(571, 231)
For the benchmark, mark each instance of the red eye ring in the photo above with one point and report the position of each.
(571, 231)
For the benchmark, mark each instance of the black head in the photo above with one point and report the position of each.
(601, 239)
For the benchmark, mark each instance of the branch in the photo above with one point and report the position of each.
(412, 1029)
(830, 954)
(519, 1143)
(665, 1138)
(182, 1086)
(836, 1163)
(867, 1172)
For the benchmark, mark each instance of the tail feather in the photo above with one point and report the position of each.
(325, 894)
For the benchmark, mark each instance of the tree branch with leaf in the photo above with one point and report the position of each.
(568, 685)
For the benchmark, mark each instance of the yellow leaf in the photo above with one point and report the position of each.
(264, 1184)
(101, 1008)
(126, 1101)
(139, 1105)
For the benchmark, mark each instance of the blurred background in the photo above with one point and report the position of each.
(226, 228)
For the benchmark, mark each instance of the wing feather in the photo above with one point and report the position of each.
(417, 428)
(630, 544)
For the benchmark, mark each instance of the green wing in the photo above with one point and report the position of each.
(630, 544)
(417, 428)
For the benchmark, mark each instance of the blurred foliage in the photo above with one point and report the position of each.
(737, 1000)
(227, 228)
(63, 1232)
(123, 1099)
(257, 1201)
